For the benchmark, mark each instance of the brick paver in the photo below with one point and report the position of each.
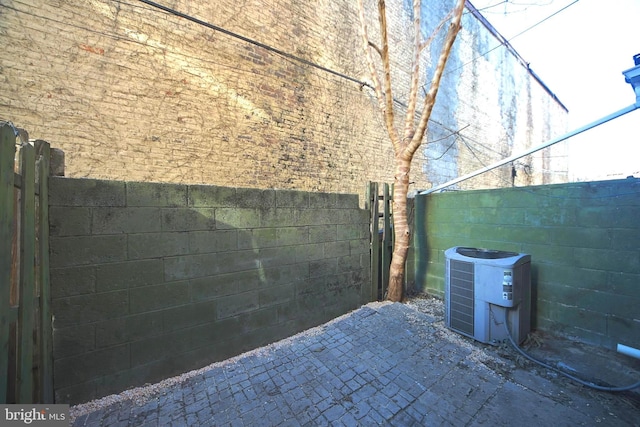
(382, 364)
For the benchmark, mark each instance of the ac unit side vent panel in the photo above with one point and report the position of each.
(461, 294)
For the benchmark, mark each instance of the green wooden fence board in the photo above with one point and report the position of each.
(375, 242)
(7, 154)
(46, 338)
(27, 275)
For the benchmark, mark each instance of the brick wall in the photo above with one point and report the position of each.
(583, 241)
(151, 280)
(132, 93)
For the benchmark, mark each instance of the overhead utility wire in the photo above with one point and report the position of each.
(505, 41)
(271, 49)
(251, 41)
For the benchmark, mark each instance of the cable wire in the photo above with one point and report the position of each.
(251, 41)
(561, 372)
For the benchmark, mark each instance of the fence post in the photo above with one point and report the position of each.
(27, 275)
(7, 154)
(46, 340)
(375, 239)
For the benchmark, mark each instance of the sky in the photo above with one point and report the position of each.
(580, 54)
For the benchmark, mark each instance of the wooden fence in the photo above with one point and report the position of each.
(25, 319)
(379, 202)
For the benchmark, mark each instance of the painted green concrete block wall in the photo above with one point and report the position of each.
(584, 240)
(150, 280)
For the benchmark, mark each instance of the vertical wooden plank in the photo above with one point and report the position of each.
(375, 242)
(46, 338)
(27, 275)
(7, 154)
(386, 240)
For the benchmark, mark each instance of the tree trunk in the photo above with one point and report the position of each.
(400, 229)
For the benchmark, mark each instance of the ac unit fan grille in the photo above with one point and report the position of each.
(461, 296)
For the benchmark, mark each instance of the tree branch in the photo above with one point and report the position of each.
(415, 75)
(376, 48)
(386, 66)
(383, 92)
(435, 32)
(430, 98)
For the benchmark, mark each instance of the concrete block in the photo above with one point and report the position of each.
(623, 330)
(601, 259)
(73, 251)
(212, 287)
(623, 284)
(215, 333)
(257, 238)
(188, 219)
(274, 257)
(310, 252)
(233, 305)
(230, 218)
(292, 199)
(280, 217)
(322, 233)
(189, 315)
(202, 265)
(71, 281)
(287, 311)
(75, 370)
(608, 216)
(287, 236)
(352, 231)
(347, 201)
(78, 393)
(259, 319)
(273, 295)
(337, 249)
(323, 267)
(155, 297)
(255, 198)
(556, 216)
(281, 275)
(111, 220)
(359, 246)
(156, 194)
(128, 328)
(625, 239)
(569, 275)
(82, 309)
(159, 347)
(211, 196)
(201, 242)
(77, 339)
(341, 216)
(157, 245)
(69, 221)
(86, 192)
(349, 263)
(322, 200)
(316, 217)
(130, 274)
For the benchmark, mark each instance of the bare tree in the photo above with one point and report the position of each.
(405, 143)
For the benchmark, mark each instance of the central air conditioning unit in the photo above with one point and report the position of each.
(483, 289)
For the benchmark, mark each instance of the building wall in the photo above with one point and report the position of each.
(151, 280)
(133, 93)
(583, 242)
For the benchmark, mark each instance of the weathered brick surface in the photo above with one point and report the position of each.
(179, 276)
(132, 93)
(582, 240)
